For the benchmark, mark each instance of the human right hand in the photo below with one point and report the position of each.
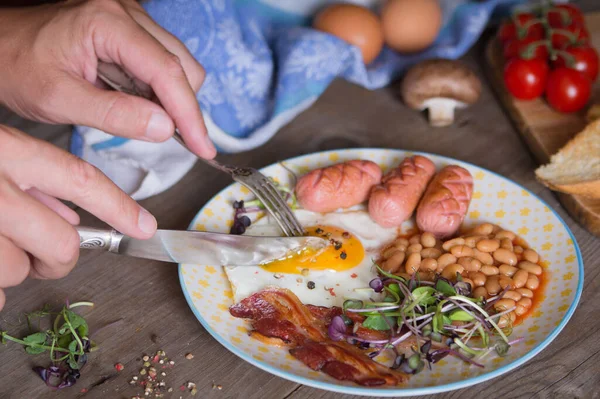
(48, 70)
(37, 237)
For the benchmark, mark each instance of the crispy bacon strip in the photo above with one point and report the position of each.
(345, 362)
(278, 314)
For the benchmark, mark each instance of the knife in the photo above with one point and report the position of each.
(197, 247)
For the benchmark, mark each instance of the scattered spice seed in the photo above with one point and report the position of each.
(319, 230)
(161, 361)
(343, 255)
(345, 234)
(278, 276)
(170, 390)
(146, 364)
(310, 285)
(171, 362)
(304, 272)
(189, 356)
(146, 358)
(119, 367)
(299, 280)
(143, 372)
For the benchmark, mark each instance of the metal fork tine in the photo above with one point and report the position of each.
(283, 210)
(267, 200)
(283, 207)
(286, 212)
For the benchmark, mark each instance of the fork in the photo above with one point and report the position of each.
(117, 79)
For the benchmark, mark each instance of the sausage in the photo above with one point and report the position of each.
(445, 202)
(338, 186)
(395, 199)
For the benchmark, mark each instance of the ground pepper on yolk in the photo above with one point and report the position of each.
(345, 253)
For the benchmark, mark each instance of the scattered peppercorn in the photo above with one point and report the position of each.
(319, 230)
(345, 234)
(337, 245)
(343, 255)
(310, 285)
(119, 367)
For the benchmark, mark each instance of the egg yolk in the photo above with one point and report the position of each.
(345, 252)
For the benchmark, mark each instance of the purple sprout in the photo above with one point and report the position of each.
(376, 284)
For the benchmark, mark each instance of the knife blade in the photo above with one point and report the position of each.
(198, 247)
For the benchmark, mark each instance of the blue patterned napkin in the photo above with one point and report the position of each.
(264, 65)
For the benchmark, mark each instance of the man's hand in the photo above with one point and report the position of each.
(37, 237)
(48, 70)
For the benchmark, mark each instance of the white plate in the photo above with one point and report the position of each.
(495, 199)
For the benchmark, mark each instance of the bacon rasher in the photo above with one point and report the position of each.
(277, 313)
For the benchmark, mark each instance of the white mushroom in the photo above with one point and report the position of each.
(440, 86)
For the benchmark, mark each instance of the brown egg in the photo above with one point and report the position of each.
(354, 24)
(411, 25)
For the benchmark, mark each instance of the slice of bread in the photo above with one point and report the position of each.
(575, 168)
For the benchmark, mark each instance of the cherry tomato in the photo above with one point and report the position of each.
(516, 48)
(585, 60)
(565, 14)
(568, 35)
(568, 90)
(526, 79)
(509, 31)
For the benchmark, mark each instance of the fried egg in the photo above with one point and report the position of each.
(325, 279)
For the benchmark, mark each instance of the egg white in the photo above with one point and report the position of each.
(251, 279)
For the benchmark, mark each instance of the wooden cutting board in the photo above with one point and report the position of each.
(544, 130)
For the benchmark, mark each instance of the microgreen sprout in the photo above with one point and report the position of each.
(433, 319)
(67, 342)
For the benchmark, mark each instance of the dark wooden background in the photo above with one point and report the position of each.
(147, 297)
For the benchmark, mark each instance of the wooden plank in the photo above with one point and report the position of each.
(544, 130)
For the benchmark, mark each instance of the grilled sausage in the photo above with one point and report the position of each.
(338, 186)
(445, 202)
(395, 199)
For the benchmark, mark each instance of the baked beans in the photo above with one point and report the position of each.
(413, 262)
(488, 245)
(470, 264)
(461, 250)
(503, 255)
(491, 260)
(414, 248)
(428, 240)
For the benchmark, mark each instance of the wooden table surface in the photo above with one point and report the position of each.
(147, 295)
